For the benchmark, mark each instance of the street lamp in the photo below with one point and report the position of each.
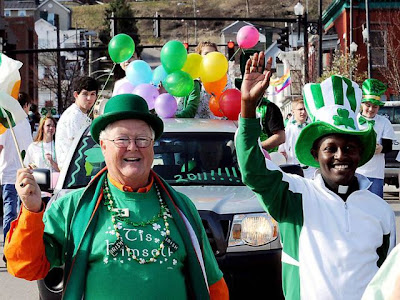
(302, 18)
(102, 71)
(90, 62)
(97, 78)
(353, 49)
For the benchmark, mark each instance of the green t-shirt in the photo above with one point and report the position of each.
(162, 279)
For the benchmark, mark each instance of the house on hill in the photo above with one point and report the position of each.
(384, 37)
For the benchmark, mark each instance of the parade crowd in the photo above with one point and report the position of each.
(338, 234)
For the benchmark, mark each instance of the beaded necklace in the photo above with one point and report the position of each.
(109, 202)
(54, 155)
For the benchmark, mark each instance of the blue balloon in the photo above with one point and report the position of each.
(159, 74)
(139, 72)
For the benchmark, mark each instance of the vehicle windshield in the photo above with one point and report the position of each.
(179, 158)
(391, 112)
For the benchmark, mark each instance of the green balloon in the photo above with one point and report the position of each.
(178, 83)
(173, 56)
(121, 48)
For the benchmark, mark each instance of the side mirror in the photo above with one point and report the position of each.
(42, 177)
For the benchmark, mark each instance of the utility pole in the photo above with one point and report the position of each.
(351, 40)
(90, 55)
(195, 22)
(320, 67)
(305, 28)
(59, 96)
(369, 58)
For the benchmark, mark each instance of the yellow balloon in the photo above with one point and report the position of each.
(192, 65)
(213, 67)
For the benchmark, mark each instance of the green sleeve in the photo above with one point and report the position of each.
(191, 102)
(57, 219)
(270, 189)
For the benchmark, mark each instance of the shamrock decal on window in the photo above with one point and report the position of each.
(343, 119)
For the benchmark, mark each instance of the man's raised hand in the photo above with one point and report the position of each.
(254, 84)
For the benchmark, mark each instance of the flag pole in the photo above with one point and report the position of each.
(14, 138)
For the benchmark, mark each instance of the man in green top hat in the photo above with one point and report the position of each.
(128, 234)
(373, 90)
(335, 233)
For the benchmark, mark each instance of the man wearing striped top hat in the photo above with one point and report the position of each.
(373, 89)
(335, 233)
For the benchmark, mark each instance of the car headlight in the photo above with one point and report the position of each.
(253, 230)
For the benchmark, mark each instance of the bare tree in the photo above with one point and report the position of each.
(389, 27)
(342, 63)
(71, 70)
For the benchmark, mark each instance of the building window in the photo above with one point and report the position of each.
(378, 48)
(22, 13)
(7, 13)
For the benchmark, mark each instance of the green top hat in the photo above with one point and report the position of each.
(122, 107)
(332, 106)
(373, 89)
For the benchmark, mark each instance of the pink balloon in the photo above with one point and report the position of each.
(125, 88)
(166, 105)
(247, 37)
(148, 92)
(266, 154)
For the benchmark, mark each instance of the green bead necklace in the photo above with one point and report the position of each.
(109, 202)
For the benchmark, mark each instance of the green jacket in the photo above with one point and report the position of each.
(81, 211)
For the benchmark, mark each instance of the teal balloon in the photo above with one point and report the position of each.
(178, 84)
(121, 48)
(173, 56)
(159, 74)
(138, 72)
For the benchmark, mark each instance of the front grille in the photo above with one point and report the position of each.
(217, 229)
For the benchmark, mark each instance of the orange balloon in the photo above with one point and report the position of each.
(214, 106)
(216, 87)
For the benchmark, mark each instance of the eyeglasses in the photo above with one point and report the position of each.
(123, 142)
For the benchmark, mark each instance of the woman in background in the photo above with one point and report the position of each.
(41, 153)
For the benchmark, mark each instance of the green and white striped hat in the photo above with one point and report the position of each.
(332, 106)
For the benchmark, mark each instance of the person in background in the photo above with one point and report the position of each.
(75, 117)
(203, 111)
(42, 153)
(34, 117)
(196, 104)
(119, 72)
(373, 89)
(273, 130)
(10, 162)
(127, 230)
(335, 232)
(288, 117)
(386, 283)
(292, 132)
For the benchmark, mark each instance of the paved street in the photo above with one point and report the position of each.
(17, 289)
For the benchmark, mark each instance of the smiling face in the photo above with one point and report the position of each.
(128, 165)
(49, 129)
(338, 156)
(369, 110)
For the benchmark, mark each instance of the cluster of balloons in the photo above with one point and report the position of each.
(176, 73)
(227, 103)
(143, 81)
(182, 68)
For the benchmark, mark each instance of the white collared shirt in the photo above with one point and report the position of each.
(70, 123)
